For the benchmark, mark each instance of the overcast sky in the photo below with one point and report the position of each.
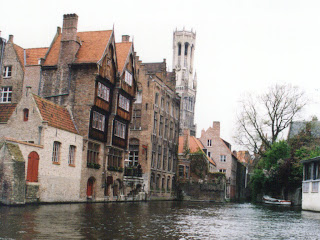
(241, 46)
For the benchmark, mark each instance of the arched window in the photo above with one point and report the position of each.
(25, 114)
(186, 46)
(179, 49)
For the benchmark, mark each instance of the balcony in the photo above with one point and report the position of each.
(132, 172)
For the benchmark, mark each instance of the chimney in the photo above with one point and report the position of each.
(125, 38)
(216, 128)
(69, 29)
(11, 38)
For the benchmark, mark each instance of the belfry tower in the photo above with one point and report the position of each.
(186, 85)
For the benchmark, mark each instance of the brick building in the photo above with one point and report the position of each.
(220, 151)
(20, 68)
(94, 78)
(155, 128)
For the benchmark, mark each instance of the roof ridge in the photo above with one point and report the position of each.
(95, 31)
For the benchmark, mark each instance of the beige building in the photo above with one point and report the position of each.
(50, 145)
(154, 129)
(220, 151)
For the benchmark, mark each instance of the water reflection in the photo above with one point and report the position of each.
(157, 220)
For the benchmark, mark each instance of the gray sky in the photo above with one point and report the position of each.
(241, 45)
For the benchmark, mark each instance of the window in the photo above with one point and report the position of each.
(133, 155)
(171, 110)
(115, 158)
(120, 129)
(103, 92)
(186, 46)
(167, 106)
(153, 159)
(139, 97)
(164, 160)
(223, 158)
(209, 154)
(25, 114)
(155, 124)
(222, 170)
(159, 157)
(72, 155)
(209, 142)
(128, 78)
(124, 103)
(136, 120)
(166, 129)
(169, 160)
(181, 170)
(56, 152)
(98, 121)
(93, 153)
(156, 99)
(7, 71)
(5, 94)
(307, 171)
(179, 49)
(162, 103)
(161, 126)
(187, 171)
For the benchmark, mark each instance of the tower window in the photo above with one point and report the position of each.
(186, 45)
(179, 49)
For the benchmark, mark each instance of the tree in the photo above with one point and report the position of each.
(264, 117)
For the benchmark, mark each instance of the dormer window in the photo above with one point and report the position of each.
(25, 115)
(128, 78)
(7, 71)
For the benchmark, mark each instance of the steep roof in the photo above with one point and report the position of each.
(34, 54)
(6, 109)
(56, 115)
(122, 51)
(92, 48)
(155, 67)
(20, 52)
(194, 146)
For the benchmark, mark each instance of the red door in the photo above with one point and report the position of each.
(33, 165)
(90, 187)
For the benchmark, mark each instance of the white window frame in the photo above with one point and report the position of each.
(223, 158)
(56, 152)
(5, 94)
(103, 92)
(222, 170)
(72, 155)
(7, 71)
(128, 78)
(124, 103)
(120, 129)
(98, 121)
(209, 142)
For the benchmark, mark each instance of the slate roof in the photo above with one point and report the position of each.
(56, 115)
(93, 45)
(122, 51)
(154, 67)
(6, 109)
(297, 127)
(34, 54)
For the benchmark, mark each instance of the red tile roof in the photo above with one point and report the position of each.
(56, 115)
(93, 45)
(122, 50)
(194, 145)
(34, 54)
(6, 109)
(20, 52)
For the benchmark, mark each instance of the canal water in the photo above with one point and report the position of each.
(157, 220)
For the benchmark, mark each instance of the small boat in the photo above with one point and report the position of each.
(274, 201)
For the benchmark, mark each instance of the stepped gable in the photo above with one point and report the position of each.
(122, 50)
(56, 115)
(6, 109)
(34, 54)
(92, 47)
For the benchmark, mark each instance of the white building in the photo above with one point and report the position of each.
(310, 184)
(186, 86)
(51, 148)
